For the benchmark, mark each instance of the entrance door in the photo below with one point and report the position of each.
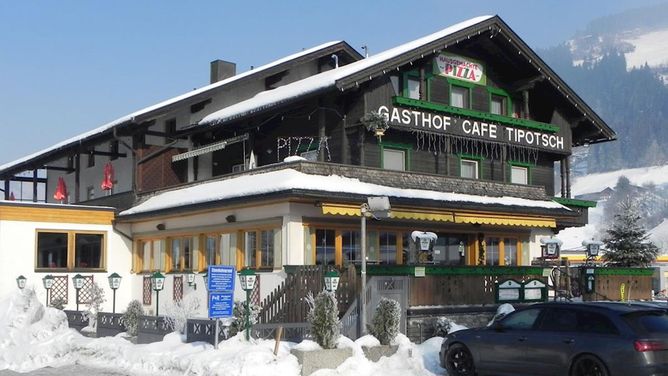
(395, 288)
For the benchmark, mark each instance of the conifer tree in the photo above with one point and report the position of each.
(324, 319)
(627, 241)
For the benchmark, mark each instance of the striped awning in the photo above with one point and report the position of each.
(446, 216)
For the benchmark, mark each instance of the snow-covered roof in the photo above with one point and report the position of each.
(289, 179)
(130, 117)
(328, 79)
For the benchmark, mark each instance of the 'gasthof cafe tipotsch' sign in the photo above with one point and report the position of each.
(480, 129)
(461, 68)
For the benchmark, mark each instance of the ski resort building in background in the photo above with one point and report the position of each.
(462, 130)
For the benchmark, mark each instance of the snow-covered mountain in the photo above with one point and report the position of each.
(588, 185)
(640, 34)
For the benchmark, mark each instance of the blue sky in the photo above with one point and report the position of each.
(69, 66)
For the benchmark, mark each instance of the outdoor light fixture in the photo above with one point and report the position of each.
(592, 247)
(157, 284)
(21, 282)
(205, 277)
(78, 281)
(550, 247)
(48, 283)
(247, 278)
(332, 278)
(190, 277)
(114, 284)
(375, 207)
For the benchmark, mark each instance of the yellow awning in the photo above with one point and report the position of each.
(447, 216)
(504, 220)
(423, 215)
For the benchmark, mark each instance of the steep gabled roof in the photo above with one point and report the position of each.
(194, 96)
(356, 73)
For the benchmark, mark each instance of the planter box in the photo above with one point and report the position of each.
(374, 353)
(314, 360)
(152, 329)
(109, 324)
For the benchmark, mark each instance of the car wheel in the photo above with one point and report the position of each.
(588, 365)
(459, 361)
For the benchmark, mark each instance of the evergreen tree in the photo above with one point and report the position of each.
(627, 241)
(386, 320)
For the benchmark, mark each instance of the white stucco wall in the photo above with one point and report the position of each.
(18, 252)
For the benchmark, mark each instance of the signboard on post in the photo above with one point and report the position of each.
(221, 304)
(221, 278)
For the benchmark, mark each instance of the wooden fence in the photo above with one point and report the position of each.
(287, 303)
(619, 284)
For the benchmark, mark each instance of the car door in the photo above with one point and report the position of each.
(502, 348)
(551, 345)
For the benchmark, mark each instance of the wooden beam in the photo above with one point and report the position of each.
(58, 168)
(25, 179)
(107, 153)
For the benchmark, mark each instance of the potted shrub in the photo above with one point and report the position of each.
(385, 327)
(376, 123)
(325, 328)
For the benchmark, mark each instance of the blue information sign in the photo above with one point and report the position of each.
(221, 278)
(221, 304)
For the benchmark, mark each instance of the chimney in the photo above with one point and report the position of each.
(221, 70)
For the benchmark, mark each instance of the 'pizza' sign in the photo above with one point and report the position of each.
(461, 68)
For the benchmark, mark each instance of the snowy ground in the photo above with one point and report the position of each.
(33, 337)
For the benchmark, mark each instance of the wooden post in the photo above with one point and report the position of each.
(77, 175)
(279, 333)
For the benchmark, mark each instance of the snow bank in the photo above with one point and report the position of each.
(32, 337)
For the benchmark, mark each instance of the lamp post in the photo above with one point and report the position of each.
(21, 282)
(375, 207)
(48, 283)
(247, 278)
(157, 283)
(78, 281)
(190, 277)
(114, 284)
(205, 277)
(332, 278)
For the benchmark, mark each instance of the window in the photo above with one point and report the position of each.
(519, 175)
(52, 250)
(183, 257)
(447, 249)
(459, 96)
(388, 247)
(170, 127)
(351, 246)
(70, 250)
(394, 159)
(324, 247)
(519, 320)
(502, 251)
(492, 251)
(469, 168)
(88, 250)
(210, 256)
(498, 104)
(413, 87)
(260, 248)
(152, 256)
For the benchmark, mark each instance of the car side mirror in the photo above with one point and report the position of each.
(498, 326)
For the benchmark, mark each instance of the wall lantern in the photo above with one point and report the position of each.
(114, 284)
(21, 282)
(157, 284)
(332, 279)
(190, 277)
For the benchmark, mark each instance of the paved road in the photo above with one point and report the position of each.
(75, 370)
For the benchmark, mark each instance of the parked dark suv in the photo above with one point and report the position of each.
(576, 339)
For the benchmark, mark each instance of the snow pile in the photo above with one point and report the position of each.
(31, 335)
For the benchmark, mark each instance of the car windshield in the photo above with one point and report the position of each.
(647, 322)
